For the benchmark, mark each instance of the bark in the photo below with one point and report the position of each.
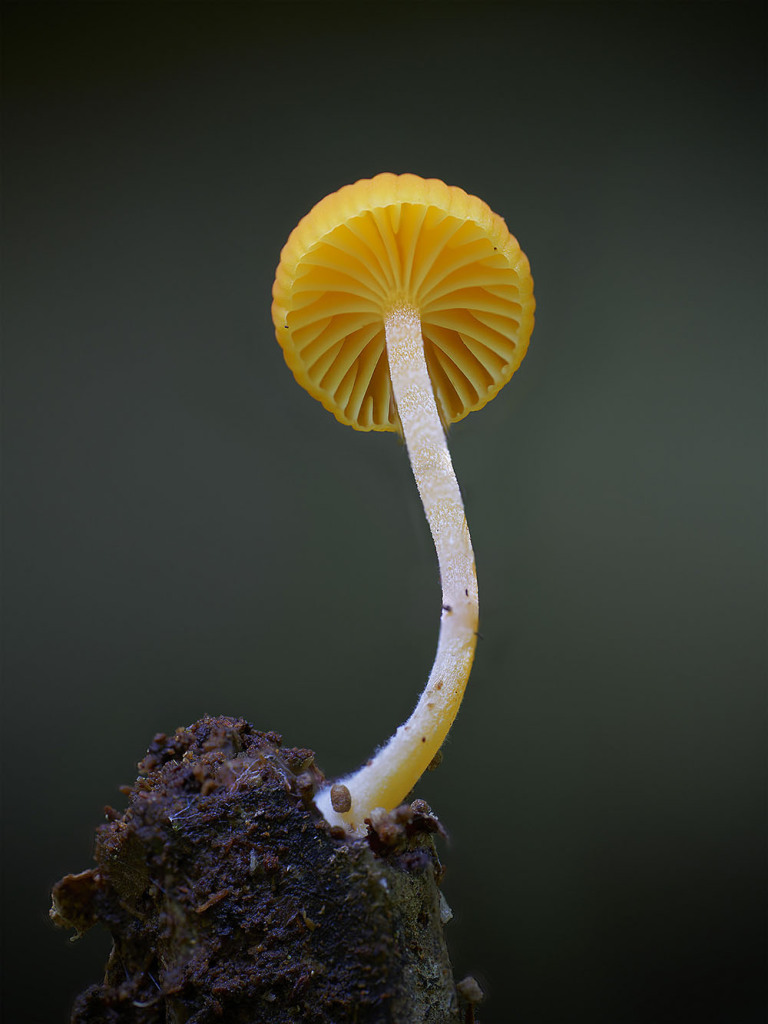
(230, 899)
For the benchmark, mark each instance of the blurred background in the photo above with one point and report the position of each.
(186, 531)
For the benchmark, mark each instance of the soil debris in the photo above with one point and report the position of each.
(230, 899)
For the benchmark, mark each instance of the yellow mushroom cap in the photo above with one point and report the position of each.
(401, 240)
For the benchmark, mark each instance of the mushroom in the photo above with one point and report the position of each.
(402, 304)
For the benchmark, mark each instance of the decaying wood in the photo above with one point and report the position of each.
(230, 899)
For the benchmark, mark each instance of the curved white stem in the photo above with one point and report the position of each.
(386, 779)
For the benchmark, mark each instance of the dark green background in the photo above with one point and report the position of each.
(186, 531)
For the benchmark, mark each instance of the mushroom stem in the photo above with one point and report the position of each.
(394, 770)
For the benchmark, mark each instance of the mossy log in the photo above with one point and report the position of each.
(230, 899)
